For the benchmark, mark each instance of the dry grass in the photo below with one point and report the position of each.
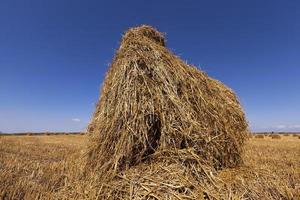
(47, 167)
(296, 135)
(259, 136)
(33, 166)
(276, 137)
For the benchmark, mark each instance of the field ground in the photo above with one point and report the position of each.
(45, 167)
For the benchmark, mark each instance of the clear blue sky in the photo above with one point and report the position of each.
(54, 55)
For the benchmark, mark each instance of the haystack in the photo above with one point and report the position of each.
(157, 113)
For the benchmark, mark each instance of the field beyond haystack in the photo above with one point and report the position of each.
(47, 167)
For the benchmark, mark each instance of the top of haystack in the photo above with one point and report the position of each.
(144, 31)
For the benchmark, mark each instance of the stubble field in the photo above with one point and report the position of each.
(49, 167)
